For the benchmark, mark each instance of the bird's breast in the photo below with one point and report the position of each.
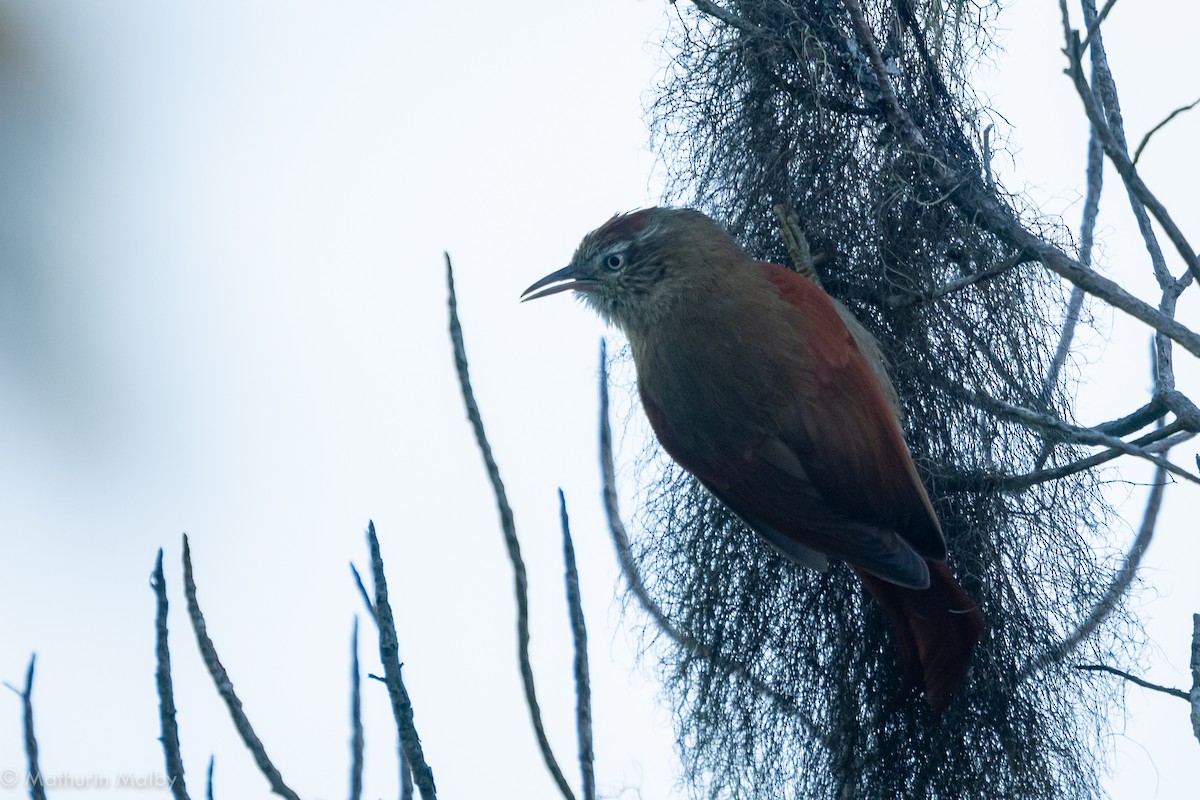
(716, 384)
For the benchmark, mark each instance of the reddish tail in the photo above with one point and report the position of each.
(936, 630)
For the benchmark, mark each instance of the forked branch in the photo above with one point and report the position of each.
(389, 654)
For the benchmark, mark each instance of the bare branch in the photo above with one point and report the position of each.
(992, 216)
(1065, 340)
(356, 725)
(1120, 159)
(1132, 679)
(986, 153)
(615, 526)
(1146, 139)
(1076, 433)
(726, 16)
(406, 779)
(1151, 443)
(389, 654)
(1173, 440)
(1135, 420)
(1091, 210)
(1194, 695)
(212, 762)
(1107, 290)
(583, 687)
(166, 691)
(637, 586)
(362, 590)
(1094, 27)
(866, 39)
(1106, 93)
(224, 684)
(959, 284)
(509, 528)
(895, 112)
(33, 775)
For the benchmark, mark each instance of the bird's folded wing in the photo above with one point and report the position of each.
(771, 491)
(769, 486)
(842, 432)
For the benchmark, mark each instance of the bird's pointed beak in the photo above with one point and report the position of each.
(569, 277)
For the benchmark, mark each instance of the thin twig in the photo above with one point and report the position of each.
(1151, 443)
(633, 577)
(406, 779)
(1146, 139)
(1194, 695)
(958, 284)
(166, 691)
(1173, 440)
(1120, 159)
(1065, 339)
(356, 724)
(1105, 85)
(33, 775)
(726, 16)
(1094, 27)
(615, 526)
(389, 654)
(1094, 283)
(1132, 679)
(1116, 590)
(362, 590)
(1076, 433)
(1091, 210)
(1106, 93)
(224, 684)
(513, 545)
(208, 792)
(583, 686)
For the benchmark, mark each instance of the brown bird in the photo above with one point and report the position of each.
(775, 398)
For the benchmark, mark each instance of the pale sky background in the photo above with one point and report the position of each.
(222, 312)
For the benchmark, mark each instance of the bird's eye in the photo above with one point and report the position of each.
(615, 261)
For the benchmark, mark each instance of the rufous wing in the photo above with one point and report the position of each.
(842, 429)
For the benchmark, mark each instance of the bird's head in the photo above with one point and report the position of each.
(638, 266)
